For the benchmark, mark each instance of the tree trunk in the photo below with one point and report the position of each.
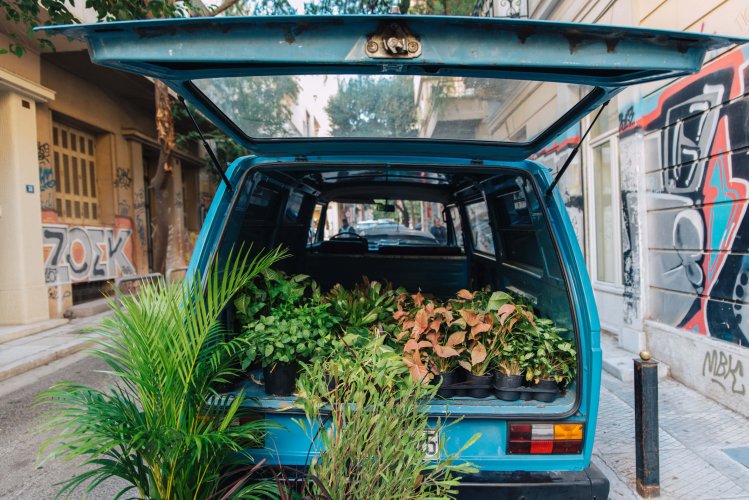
(164, 237)
(160, 181)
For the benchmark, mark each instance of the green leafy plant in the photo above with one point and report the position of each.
(369, 304)
(370, 397)
(483, 340)
(161, 427)
(555, 358)
(270, 290)
(292, 333)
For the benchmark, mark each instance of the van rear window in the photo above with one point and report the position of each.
(390, 223)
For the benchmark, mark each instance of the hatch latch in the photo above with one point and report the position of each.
(393, 41)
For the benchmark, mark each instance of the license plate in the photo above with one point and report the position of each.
(431, 444)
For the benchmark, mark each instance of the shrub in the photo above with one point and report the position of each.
(292, 333)
(372, 440)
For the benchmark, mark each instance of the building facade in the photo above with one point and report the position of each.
(77, 151)
(658, 196)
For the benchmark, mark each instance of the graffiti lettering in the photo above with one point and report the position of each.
(721, 367)
(76, 254)
(626, 118)
(42, 152)
(122, 178)
(47, 182)
(46, 179)
(139, 209)
(700, 191)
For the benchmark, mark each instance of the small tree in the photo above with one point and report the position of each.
(366, 106)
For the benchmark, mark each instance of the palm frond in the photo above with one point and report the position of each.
(157, 427)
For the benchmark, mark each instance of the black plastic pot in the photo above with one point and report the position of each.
(448, 389)
(546, 391)
(478, 386)
(507, 387)
(280, 379)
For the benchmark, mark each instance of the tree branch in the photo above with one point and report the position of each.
(223, 7)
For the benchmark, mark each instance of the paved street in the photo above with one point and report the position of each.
(22, 478)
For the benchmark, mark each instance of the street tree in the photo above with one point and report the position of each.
(370, 106)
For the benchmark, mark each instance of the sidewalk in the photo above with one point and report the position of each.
(698, 438)
(24, 354)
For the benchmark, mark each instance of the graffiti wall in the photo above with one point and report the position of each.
(74, 254)
(696, 134)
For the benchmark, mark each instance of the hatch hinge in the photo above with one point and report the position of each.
(393, 41)
(207, 147)
(477, 161)
(574, 151)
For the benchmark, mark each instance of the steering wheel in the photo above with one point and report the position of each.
(345, 235)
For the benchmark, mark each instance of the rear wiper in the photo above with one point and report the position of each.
(207, 147)
(574, 151)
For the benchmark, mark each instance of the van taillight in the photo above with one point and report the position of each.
(545, 439)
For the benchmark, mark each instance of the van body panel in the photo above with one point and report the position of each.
(292, 447)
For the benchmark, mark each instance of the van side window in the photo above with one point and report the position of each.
(293, 207)
(516, 230)
(457, 225)
(315, 223)
(481, 230)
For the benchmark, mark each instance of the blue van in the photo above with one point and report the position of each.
(456, 108)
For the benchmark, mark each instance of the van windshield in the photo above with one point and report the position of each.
(385, 223)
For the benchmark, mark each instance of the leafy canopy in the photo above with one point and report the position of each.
(31, 13)
(366, 106)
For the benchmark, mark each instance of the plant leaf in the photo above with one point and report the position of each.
(478, 353)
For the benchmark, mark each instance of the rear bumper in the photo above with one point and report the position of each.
(588, 483)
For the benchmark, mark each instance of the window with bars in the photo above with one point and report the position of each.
(75, 174)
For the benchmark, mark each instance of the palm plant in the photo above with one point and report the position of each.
(161, 427)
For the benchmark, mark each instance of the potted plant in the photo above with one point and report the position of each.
(517, 331)
(483, 342)
(289, 335)
(269, 290)
(553, 362)
(374, 448)
(157, 430)
(510, 371)
(433, 343)
(369, 304)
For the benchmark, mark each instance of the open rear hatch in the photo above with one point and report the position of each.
(457, 81)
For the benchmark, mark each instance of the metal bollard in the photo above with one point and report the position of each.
(646, 426)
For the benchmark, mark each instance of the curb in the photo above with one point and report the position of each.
(28, 364)
(22, 331)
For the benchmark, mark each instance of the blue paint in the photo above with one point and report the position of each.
(740, 455)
